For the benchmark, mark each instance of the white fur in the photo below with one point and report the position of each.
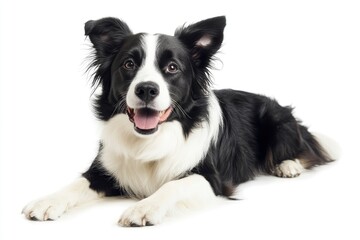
(54, 205)
(289, 168)
(192, 191)
(149, 72)
(143, 165)
(205, 41)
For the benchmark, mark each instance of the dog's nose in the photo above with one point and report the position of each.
(147, 91)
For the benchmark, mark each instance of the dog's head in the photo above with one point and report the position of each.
(153, 78)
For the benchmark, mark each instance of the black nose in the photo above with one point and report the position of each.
(147, 91)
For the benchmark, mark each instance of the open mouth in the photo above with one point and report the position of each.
(147, 120)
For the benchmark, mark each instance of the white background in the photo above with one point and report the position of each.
(304, 53)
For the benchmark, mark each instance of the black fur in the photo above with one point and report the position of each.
(256, 135)
(101, 180)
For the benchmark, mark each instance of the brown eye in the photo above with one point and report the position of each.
(172, 68)
(129, 64)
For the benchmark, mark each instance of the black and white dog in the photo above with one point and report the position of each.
(168, 138)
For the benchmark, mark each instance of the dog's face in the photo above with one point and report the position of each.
(151, 73)
(153, 78)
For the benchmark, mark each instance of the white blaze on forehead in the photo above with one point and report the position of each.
(150, 43)
(149, 72)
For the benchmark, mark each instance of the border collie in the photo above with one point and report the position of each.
(168, 138)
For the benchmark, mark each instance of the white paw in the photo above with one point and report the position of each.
(143, 213)
(50, 208)
(289, 169)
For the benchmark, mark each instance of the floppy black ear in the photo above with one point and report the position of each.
(106, 34)
(203, 39)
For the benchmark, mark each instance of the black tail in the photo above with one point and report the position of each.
(311, 152)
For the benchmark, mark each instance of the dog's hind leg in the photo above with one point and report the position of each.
(290, 147)
(289, 169)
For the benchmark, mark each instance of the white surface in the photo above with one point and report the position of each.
(305, 54)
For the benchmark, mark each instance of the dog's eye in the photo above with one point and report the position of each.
(129, 64)
(172, 68)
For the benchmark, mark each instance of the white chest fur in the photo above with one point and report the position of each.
(143, 164)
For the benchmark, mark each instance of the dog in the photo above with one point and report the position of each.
(168, 138)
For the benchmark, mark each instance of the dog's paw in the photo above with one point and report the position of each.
(50, 208)
(143, 213)
(289, 169)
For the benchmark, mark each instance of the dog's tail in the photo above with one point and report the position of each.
(317, 149)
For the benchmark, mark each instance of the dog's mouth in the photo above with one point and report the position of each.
(146, 120)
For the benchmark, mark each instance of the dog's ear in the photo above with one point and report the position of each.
(106, 34)
(203, 39)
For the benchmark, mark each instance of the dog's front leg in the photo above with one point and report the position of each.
(191, 191)
(53, 206)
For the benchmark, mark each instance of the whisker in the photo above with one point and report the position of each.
(177, 106)
(120, 106)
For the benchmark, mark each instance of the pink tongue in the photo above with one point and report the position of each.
(145, 121)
